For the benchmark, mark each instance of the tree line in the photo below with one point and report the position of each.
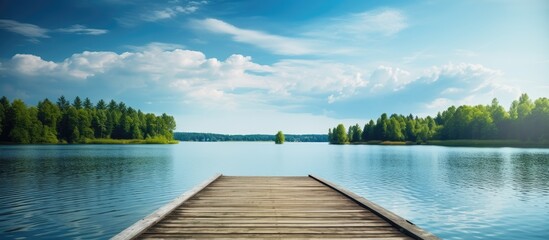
(215, 137)
(76, 121)
(526, 120)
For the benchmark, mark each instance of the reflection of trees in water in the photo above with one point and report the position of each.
(475, 169)
(67, 186)
(59, 167)
(530, 173)
(526, 172)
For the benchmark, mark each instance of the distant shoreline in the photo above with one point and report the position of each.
(216, 137)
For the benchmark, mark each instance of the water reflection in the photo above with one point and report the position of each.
(96, 191)
(70, 191)
(530, 172)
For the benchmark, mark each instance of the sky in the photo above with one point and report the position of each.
(262, 66)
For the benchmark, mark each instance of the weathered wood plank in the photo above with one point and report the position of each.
(255, 207)
(278, 236)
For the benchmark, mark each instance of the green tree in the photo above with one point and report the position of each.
(168, 126)
(21, 123)
(99, 124)
(525, 106)
(112, 106)
(2, 118)
(88, 104)
(84, 125)
(380, 132)
(101, 105)
(369, 129)
(71, 125)
(279, 137)
(49, 115)
(411, 132)
(539, 120)
(63, 122)
(356, 133)
(63, 104)
(394, 132)
(7, 119)
(77, 103)
(341, 135)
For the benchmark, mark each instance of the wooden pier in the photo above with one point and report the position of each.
(226, 207)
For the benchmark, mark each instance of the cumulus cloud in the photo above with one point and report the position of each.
(463, 71)
(336, 81)
(78, 66)
(192, 79)
(386, 78)
(192, 74)
(464, 83)
(82, 30)
(31, 65)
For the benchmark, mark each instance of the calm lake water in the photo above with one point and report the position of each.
(95, 191)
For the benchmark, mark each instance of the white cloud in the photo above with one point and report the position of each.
(194, 82)
(25, 29)
(465, 83)
(274, 43)
(34, 32)
(156, 46)
(78, 66)
(303, 80)
(386, 78)
(386, 22)
(83, 30)
(439, 103)
(31, 65)
(172, 11)
(237, 78)
(335, 36)
(464, 72)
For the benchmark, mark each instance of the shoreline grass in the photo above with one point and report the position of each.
(488, 143)
(130, 141)
(461, 143)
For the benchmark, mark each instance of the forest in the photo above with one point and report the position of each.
(526, 120)
(80, 121)
(214, 137)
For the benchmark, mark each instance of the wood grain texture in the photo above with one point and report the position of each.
(271, 208)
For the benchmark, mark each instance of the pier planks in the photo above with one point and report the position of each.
(228, 207)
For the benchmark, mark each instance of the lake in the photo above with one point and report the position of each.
(95, 191)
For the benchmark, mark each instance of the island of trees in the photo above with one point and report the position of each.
(80, 121)
(526, 123)
(279, 137)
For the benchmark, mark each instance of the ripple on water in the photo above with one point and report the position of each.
(90, 192)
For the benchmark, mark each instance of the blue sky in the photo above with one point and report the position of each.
(264, 66)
